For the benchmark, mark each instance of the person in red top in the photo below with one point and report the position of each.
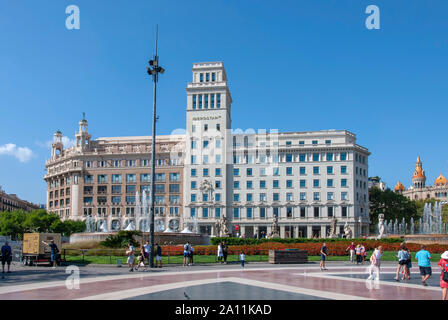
(443, 265)
(351, 247)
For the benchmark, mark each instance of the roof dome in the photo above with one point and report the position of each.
(399, 186)
(419, 173)
(440, 181)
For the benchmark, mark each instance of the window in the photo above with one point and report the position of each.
(330, 196)
(329, 157)
(193, 197)
(316, 196)
(327, 141)
(289, 171)
(316, 183)
(314, 142)
(116, 178)
(193, 212)
(249, 213)
(288, 143)
(315, 170)
(236, 197)
(275, 197)
(174, 177)
(343, 182)
(207, 77)
(160, 177)
(217, 196)
(131, 178)
(160, 188)
(330, 170)
(343, 156)
(205, 197)
(218, 100)
(205, 127)
(302, 196)
(144, 177)
(275, 171)
(205, 212)
(330, 211)
(344, 211)
(289, 212)
(116, 189)
(218, 143)
(329, 183)
(262, 196)
(102, 178)
(288, 183)
(275, 211)
(262, 184)
(249, 185)
(205, 143)
(194, 101)
(343, 169)
(249, 197)
(302, 212)
(289, 196)
(116, 200)
(236, 184)
(174, 188)
(201, 77)
(288, 158)
(275, 184)
(193, 184)
(302, 183)
(130, 199)
(205, 172)
(316, 212)
(213, 76)
(249, 172)
(205, 159)
(218, 184)
(130, 163)
(302, 158)
(236, 172)
(315, 157)
(131, 189)
(344, 196)
(302, 170)
(218, 212)
(218, 127)
(217, 172)
(236, 212)
(193, 172)
(193, 159)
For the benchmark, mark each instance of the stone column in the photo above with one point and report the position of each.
(242, 230)
(282, 232)
(256, 230)
(323, 231)
(309, 231)
(296, 231)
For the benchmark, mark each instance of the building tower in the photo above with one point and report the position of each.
(83, 137)
(418, 178)
(207, 193)
(57, 147)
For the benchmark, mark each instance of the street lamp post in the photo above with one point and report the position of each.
(153, 70)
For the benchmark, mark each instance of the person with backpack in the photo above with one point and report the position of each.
(403, 259)
(53, 252)
(6, 257)
(443, 265)
(186, 253)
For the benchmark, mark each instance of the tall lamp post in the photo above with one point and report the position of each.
(153, 70)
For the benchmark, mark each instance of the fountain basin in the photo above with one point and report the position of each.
(159, 237)
(426, 238)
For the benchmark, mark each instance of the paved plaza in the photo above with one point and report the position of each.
(258, 281)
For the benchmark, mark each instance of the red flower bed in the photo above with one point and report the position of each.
(334, 248)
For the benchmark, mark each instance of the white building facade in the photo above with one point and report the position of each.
(305, 179)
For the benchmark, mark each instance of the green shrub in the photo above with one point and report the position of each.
(121, 239)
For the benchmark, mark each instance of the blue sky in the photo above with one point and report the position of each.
(292, 65)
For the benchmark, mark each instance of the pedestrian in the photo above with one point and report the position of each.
(358, 254)
(443, 265)
(351, 248)
(363, 253)
(6, 257)
(225, 251)
(131, 257)
(220, 253)
(158, 255)
(323, 256)
(147, 251)
(141, 258)
(242, 258)
(407, 275)
(186, 253)
(53, 252)
(191, 254)
(402, 261)
(424, 264)
(375, 263)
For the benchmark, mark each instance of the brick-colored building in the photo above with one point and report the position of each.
(10, 202)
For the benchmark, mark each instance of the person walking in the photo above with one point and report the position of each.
(191, 254)
(141, 258)
(225, 251)
(323, 256)
(53, 252)
(186, 253)
(363, 253)
(6, 257)
(131, 257)
(242, 258)
(358, 254)
(424, 264)
(443, 265)
(402, 261)
(351, 248)
(407, 275)
(158, 255)
(220, 253)
(147, 251)
(375, 263)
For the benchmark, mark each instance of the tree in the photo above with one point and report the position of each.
(393, 205)
(11, 223)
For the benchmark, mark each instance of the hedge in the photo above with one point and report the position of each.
(251, 241)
